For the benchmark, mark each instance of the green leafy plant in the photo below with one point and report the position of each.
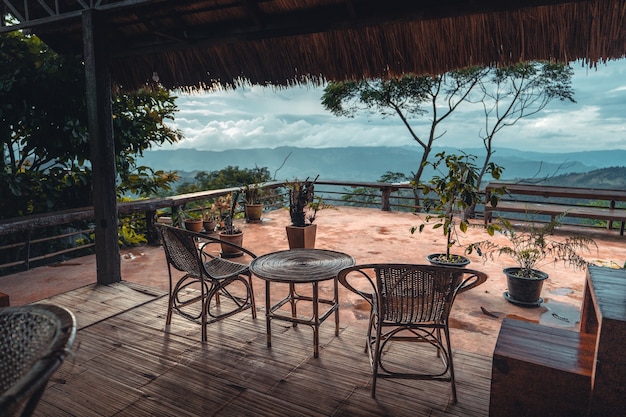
(128, 236)
(533, 245)
(455, 188)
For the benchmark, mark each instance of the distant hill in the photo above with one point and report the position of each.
(370, 163)
(611, 178)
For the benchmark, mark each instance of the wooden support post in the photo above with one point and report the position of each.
(102, 147)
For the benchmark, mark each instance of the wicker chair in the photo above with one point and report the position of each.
(409, 303)
(34, 341)
(206, 277)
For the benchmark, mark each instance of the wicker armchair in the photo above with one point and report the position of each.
(206, 277)
(409, 303)
(34, 341)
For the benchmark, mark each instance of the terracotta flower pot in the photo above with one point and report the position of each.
(254, 212)
(193, 225)
(229, 251)
(301, 237)
(209, 226)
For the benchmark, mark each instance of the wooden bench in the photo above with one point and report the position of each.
(545, 371)
(556, 204)
(540, 371)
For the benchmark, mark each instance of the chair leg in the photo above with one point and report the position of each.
(204, 302)
(376, 359)
(252, 301)
(170, 301)
(449, 357)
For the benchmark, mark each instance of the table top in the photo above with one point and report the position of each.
(300, 265)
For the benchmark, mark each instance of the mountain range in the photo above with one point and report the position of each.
(370, 163)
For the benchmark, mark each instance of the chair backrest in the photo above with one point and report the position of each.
(410, 293)
(34, 341)
(181, 249)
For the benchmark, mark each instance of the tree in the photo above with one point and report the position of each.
(44, 136)
(510, 94)
(406, 96)
(225, 178)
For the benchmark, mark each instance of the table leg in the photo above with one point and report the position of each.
(336, 306)
(268, 307)
(316, 321)
(292, 301)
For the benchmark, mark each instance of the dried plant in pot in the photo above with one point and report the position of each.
(227, 205)
(447, 195)
(303, 208)
(210, 218)
(531, 245)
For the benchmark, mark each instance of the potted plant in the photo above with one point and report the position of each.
(192, 220)
(253, 201)
(209, 218)
(455, 190)
(530, 247)
(227, 230)
(303, 208)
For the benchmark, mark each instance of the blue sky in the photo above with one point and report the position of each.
(257, 117)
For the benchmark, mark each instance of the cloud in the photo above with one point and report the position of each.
(260, 117)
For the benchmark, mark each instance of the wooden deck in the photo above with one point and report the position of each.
(125, 363)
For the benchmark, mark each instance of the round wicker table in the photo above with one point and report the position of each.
(301, 266)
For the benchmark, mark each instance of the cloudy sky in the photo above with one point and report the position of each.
(256, 117)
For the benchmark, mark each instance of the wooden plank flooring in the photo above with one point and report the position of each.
(125, 363)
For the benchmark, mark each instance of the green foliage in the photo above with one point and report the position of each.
(346, 98)
(229, 177)
(456, 189)
(531, 245)
(128, 236)
(44, 135)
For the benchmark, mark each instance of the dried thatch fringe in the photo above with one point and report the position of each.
(594, 31)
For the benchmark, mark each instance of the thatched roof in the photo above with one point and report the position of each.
(197, 43)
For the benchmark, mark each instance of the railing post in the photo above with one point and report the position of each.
(152, 235)
(609, 223)
(386, 193)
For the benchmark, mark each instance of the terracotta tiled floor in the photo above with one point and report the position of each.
(369, 235)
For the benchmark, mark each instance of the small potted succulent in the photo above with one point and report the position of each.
(531, 246)
(209, 218)
(192, 220)
(253, 195)
(455, 190)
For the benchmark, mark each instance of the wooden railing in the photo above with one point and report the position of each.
(66, 233)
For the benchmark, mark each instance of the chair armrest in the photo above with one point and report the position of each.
(474, 279)
(344, 276)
